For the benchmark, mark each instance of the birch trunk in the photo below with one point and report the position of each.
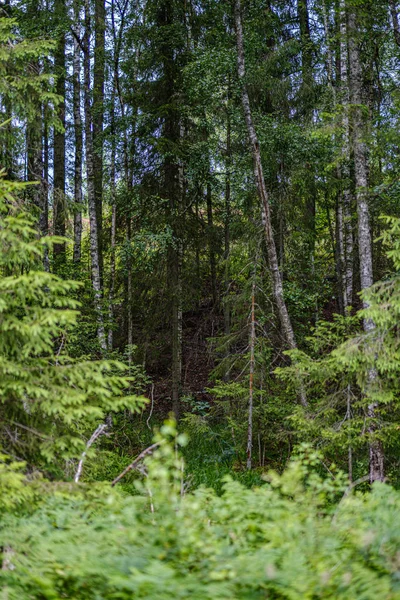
(376, 457)
(98, 118)
(277, 286)
(94, 249)
(59, 203)
(78, 136)
(346, 197)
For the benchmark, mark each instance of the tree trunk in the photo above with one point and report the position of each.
(175, 277)
(306, 56)
(227, 226)
(78, 136)
(36, 193)
(44, 215)
(211, 244)
(112, 275)
(113, 225)
(94, 249)
(364, 233)
(346, 200)
(98, 118)
(173, 192)
(277, 286)
(251, 375)
(59, 203)
(395, 21)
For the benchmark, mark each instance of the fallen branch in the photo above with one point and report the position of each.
(97, 433)
(137, 460)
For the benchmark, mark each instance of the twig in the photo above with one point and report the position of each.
(354, 484)
(347, 492)
(133, 464)
(97, 433)
(152, 406)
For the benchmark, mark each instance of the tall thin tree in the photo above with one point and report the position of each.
(277, 286)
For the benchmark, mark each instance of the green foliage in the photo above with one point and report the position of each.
(14, 491)
(285, 539)
(349, 369)
(49, 400)
(20, 83)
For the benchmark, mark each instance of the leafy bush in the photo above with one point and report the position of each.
(286, 539)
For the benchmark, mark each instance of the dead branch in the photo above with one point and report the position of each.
(97, 433)
(137, 460)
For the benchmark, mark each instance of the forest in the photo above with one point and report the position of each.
(199, 299)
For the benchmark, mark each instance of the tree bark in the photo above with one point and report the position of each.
(277, 286)
(173, 192)
(306, 56)
(44, 214)
(78, 136)
(211, 244)
(59, 201)
(94, 249)
(395, 21)
(175, 277)
(98, 118)
(251, 375)
(346, 200)
(36, 193)
(364, 234)
(113, 225)
(227, 232)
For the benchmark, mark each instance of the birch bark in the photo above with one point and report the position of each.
(376, 456)
(94, 249)
(277, 286)
(78, 136)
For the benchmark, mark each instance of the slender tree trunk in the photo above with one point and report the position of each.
(227, 225)
(113, 226)
(44, 216)
(197, 250)
(129, 292)
(7, 146)
(175, 270)
(211, 243)
(98, 118)
(94, 249)
(308, 106)
(329, 57)
(117, 93)
(346, 200)
(306, 56)
(395, 21)
(340, 256)
(78, 133)
(173, 193)
(36, 193)
(112, 275)
(251, 373)
(376, 457)
(277, 286)
(59, 203)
